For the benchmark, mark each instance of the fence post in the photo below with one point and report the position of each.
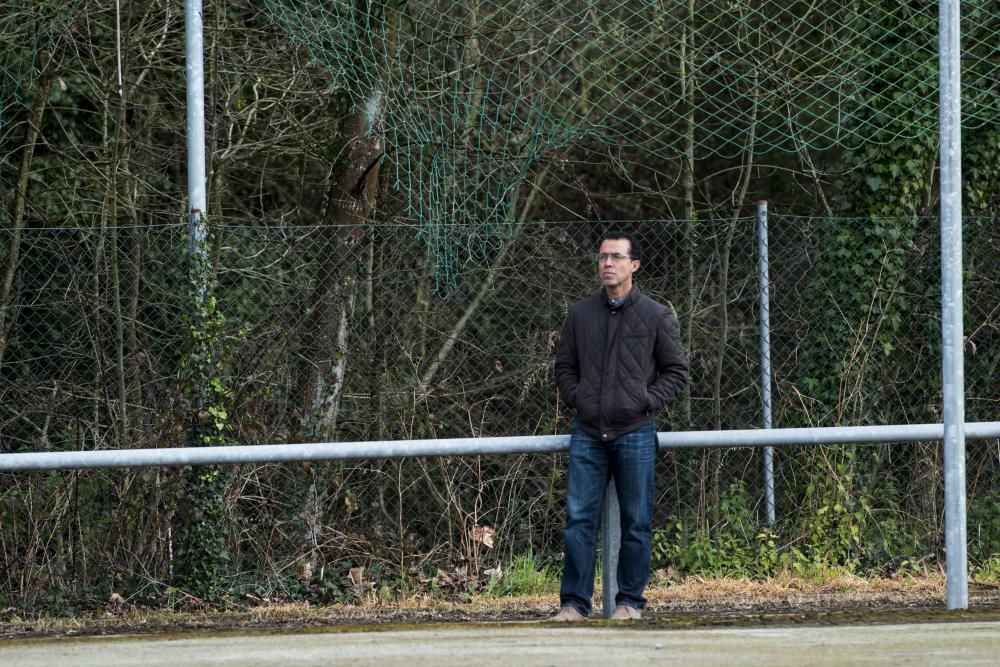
(202, 561)
(611, 538)
(194, 74)
(765, 356)
(952, 330)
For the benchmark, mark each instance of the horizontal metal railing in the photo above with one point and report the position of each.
(540, 444)
(326, 451)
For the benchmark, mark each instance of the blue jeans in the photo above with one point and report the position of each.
(629, 459)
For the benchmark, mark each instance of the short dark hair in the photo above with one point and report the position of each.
(635, 248)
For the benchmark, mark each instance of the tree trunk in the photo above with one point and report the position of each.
(119, 158)
(31, 133)
(350, 201)
(720, 353)
(687, 179)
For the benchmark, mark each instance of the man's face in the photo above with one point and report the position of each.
(614, 265)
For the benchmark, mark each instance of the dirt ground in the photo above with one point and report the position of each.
(691, 603)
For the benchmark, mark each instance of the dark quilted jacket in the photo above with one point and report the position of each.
(618, 366)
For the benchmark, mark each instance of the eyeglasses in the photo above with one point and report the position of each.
(615, 257)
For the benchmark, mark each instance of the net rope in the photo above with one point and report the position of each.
(27, 30)
(471, 95)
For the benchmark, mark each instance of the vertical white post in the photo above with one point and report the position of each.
(194, 71)
(952, 337)
(611, 531)
(765, 356)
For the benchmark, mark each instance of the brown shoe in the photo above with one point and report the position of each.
(623, 612)
(568, 614)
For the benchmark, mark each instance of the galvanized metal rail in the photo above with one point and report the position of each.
(328, 451)
(541, 444)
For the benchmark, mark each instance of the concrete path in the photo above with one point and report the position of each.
(952, 643)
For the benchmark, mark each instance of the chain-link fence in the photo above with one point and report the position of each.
(337, 334)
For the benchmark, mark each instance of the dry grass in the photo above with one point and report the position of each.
(690, 597)
(786, 591)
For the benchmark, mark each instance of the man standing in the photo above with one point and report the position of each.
(619, 361)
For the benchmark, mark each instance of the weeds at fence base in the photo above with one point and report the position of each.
(524, 577)
(987, 572)
(689, 602)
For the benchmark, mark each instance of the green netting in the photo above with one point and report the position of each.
(470, 94)
(28, 28)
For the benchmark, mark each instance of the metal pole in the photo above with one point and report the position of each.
(194, 71)
(952, 339)
(611, 539)
(765, 356)
(194, 74)
(496, 446)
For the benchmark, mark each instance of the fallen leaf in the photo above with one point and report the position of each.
(483, 534)
(357, 577)
(461, 572)
(115, 603)
(442, 578)
(255, 600)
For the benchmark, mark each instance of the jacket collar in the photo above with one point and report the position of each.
(629, 299)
